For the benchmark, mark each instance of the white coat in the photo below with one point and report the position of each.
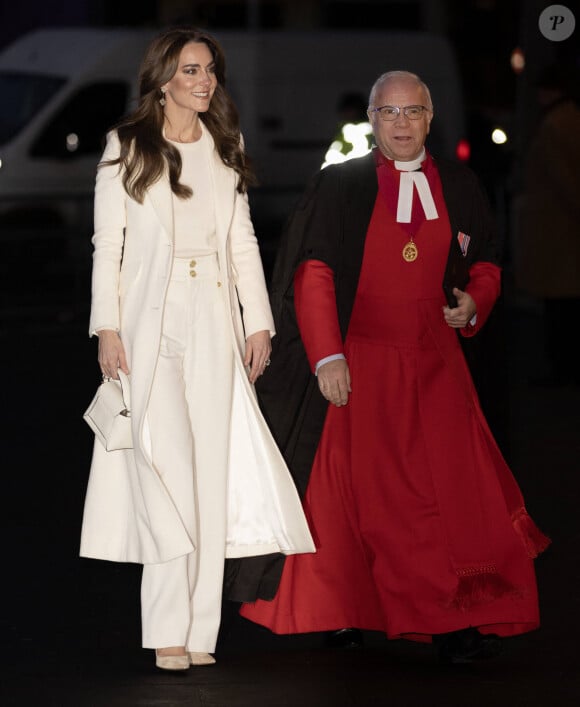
(129, 515)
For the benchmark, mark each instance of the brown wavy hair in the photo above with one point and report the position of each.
(145, 154)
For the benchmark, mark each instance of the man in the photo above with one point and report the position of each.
(420, 527)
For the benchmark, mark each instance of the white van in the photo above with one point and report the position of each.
(62, 88)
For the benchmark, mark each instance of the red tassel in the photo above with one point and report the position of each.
(480, 586)
(532, 537)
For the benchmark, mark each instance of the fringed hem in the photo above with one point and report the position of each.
(532, 537)
(480, 585)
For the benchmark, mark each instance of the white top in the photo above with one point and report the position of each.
(194, 218)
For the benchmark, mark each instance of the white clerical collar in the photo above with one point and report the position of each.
(409, 177)
(411, 165)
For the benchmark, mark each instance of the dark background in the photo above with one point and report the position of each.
(484, 34)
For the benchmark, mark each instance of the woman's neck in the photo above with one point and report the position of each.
(176, 131)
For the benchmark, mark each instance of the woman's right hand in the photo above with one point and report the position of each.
(111, 353)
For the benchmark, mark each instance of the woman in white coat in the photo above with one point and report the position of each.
(179, 303)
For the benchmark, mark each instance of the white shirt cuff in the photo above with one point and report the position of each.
(327, 359)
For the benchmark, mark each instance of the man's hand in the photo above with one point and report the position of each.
(460, 316)
(334, 382)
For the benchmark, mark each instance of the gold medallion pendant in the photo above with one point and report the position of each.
(410, 252)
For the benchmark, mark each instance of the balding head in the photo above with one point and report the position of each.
(402, 77)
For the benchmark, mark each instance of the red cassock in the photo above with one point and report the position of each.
(419, 524)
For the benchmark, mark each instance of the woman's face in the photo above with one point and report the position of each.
(194, 83)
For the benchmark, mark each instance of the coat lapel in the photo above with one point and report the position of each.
(160, 195)
(223, 191)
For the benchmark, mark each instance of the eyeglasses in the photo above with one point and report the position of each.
(393, 112)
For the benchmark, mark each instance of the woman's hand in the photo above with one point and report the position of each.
(258, 349)
(111, 353)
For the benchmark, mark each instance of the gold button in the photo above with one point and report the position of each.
(219, 284)
(192, 273)
(192, 264)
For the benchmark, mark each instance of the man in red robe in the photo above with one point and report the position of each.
(421, 529)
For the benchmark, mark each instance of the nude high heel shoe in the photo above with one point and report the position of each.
(172, 662)
(200, 658)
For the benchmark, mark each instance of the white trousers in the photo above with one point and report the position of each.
(189, 417)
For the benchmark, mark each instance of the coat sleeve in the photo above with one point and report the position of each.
(316, 312)
(107, 240)
(484, 286)
(248, 271)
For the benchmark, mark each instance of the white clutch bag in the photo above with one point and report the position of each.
(109, 414)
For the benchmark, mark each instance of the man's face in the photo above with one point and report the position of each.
(401, 139)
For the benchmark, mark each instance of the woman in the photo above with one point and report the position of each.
(175, 264)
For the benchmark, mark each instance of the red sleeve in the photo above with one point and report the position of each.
(484, 286)
(316, 314)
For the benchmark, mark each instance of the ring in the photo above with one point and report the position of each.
(267, 362)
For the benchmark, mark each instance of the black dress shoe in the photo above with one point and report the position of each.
(466, 646)
(344, 638)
